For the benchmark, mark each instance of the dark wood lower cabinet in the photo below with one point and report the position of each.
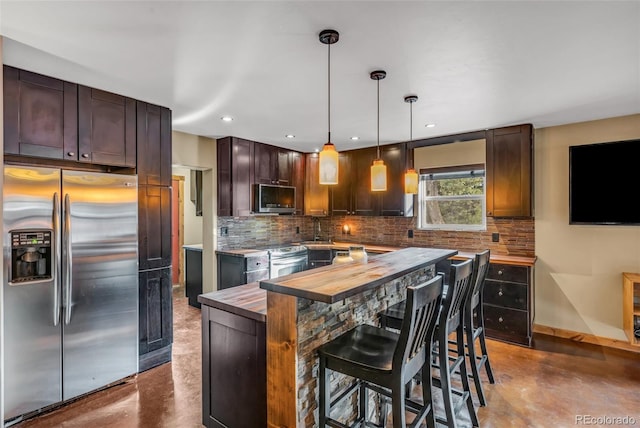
(155, 323)
(234, 370)
(193, 274)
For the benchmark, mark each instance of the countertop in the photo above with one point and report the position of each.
(332, 283)
(248, 300)
(196, 247)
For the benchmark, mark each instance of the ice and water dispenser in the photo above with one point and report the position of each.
(31, 256)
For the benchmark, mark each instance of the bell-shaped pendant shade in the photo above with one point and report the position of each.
(329, 164)
(411, 182)
(378, 176)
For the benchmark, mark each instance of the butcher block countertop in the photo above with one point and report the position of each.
(247, 300)
(333, 283)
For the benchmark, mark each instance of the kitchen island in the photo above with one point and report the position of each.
(303, 311)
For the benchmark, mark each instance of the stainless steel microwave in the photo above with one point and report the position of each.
(269, 198)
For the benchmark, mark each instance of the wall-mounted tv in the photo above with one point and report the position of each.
(604, 183)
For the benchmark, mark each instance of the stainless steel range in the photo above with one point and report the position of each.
(287, 260)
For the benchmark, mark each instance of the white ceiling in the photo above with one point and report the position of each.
(473, 64)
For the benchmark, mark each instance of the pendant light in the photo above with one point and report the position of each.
(329, 156)
(411, 176)
(378, 169)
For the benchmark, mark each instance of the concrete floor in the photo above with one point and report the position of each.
(548, 386)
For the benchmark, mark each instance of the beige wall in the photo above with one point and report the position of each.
(461, 153)
(195, 152)
(192, 223)
(578, 272)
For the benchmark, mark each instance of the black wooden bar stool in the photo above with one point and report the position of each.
(475, 332)
(451, 321)
(384, 361)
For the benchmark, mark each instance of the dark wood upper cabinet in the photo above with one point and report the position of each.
(393, 202)
(272, 165)
(106, 128)
(509, 171)
(40, 115)
(154, 144)
(363, 200)
(316, 195)
(235, 176)
(297, 179)
(340, 194)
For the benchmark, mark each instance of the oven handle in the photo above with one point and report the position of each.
(286, 261)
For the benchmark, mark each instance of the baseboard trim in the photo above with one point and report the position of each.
(585, 338)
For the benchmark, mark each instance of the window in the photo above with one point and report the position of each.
(452, 198)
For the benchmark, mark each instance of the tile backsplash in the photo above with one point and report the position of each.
(516, 236)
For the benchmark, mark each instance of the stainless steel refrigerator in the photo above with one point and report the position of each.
(70, 284)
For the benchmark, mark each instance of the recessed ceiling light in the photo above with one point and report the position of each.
(354, 138)
(226, 118)
(290, 136)
(430, 125)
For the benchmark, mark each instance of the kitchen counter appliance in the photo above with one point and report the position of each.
(287, 260)
(70, 284)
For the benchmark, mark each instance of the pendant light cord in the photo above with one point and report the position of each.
(329, 92)
(411, 128)
(378, 118)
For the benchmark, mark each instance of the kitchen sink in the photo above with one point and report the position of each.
(316, 242)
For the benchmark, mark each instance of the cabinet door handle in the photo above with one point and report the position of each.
(85, 155)
(401, 212)
(500, 272)
(500, 293)
(71, 153)
(500, 319)
(489, 213)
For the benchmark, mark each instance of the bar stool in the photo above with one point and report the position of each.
(384, 361)
(451, 321)
(472, 332)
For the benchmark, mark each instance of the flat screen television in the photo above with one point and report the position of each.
(604, 183)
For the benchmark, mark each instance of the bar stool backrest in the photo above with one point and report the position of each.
(452, 304)
(419, 322)
(480, 270)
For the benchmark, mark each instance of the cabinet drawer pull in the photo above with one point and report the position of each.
(500, 319)
(71, 154)
(500, 272)
(500, 293)
(85, 155)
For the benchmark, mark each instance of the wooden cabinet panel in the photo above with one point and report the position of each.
(234, 370)
(509, 169)
(40, 115)
(265, 164)
(316, 195)
(193, 275)
(156, 310)
(154, 227)
(508, 303)
(154, 144)
(234, 270)
(363, 201)
(235, 176)
(393, 202)
(340, 194)
(106, 128)
(297, 179)
(284, 167)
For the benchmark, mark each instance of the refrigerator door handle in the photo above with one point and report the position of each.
(56, 260)
(69, 266)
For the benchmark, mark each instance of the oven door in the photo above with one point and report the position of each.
(282, 266)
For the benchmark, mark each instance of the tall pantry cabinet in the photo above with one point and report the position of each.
(154, 234)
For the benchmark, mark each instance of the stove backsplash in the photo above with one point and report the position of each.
(516, 235)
